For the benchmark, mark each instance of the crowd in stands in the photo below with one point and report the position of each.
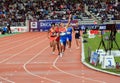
(17, 12)
(105, 9)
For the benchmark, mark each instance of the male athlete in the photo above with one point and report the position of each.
(69, 36)
(63, 35)
(52, 36)
(77, 35)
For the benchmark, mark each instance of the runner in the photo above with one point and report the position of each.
(52, 36)
(57, 38)
(63, 37)
(69, 36)
(77, 35)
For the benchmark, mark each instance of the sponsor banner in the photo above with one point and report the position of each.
(19, 29)
(118, 26)
(94, 58)
(115, 53)
(94, 32)
(34, 25)
(44, 25)
(99, 27)
(108, 62)
(101, 57)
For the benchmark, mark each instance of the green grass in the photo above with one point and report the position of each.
(93, 44)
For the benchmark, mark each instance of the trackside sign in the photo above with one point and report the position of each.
(108, 62)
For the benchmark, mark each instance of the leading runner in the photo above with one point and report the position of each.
(63, 36)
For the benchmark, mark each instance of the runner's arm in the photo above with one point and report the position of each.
(68, 21)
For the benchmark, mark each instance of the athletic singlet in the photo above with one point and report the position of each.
(52, 33)
(57, 32)
(69, 31)
(62, 32)
(63, 36)
(77, 30)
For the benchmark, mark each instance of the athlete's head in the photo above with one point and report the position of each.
(62, 24)
(53, 25)
(56, 25)
(77, 24)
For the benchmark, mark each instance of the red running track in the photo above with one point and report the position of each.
(26, 58)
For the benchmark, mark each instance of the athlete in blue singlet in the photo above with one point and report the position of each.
(69, 36)
(63, 36)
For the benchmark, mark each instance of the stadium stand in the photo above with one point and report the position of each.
(18, 11)
(104, 11)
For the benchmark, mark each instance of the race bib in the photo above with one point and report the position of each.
(53, 34)
(76, 31)
(68, 32)
(62, 34)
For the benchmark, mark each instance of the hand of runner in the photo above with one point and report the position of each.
(70, 16)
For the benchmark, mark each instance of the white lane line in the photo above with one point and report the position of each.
(20, 44)
(25, 68)
(6, 80)
(34, 62)
(22, 51)
(16, 41)
(7, 39)
(54, 65)
(16, 55)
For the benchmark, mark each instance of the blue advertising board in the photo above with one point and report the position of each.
(94, 58)
(44, 25)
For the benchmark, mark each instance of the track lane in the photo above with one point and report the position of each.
(15, 55)
(26, 37)
(67, 69)
(8, 52)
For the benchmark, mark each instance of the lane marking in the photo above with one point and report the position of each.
(16, 55)
(54, 65)
(20, 44)
(16, 41)
(25, 68)
(7, 39)
(6, 80)
(22, 51)
(35, 62)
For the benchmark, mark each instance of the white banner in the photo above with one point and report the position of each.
(19, 29)
(108, 62)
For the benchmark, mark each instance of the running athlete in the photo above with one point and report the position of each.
(57, 38)
(69, 36)
(63, 37)
(77, 35)
(52, 37)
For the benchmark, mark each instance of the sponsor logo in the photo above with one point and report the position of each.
(33, 24)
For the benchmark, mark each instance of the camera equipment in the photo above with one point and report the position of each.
(102, 42)
(112, 37)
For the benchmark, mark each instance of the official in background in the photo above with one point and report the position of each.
(77, 35)
(8, 28)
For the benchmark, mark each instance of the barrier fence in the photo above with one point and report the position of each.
(44, 25)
